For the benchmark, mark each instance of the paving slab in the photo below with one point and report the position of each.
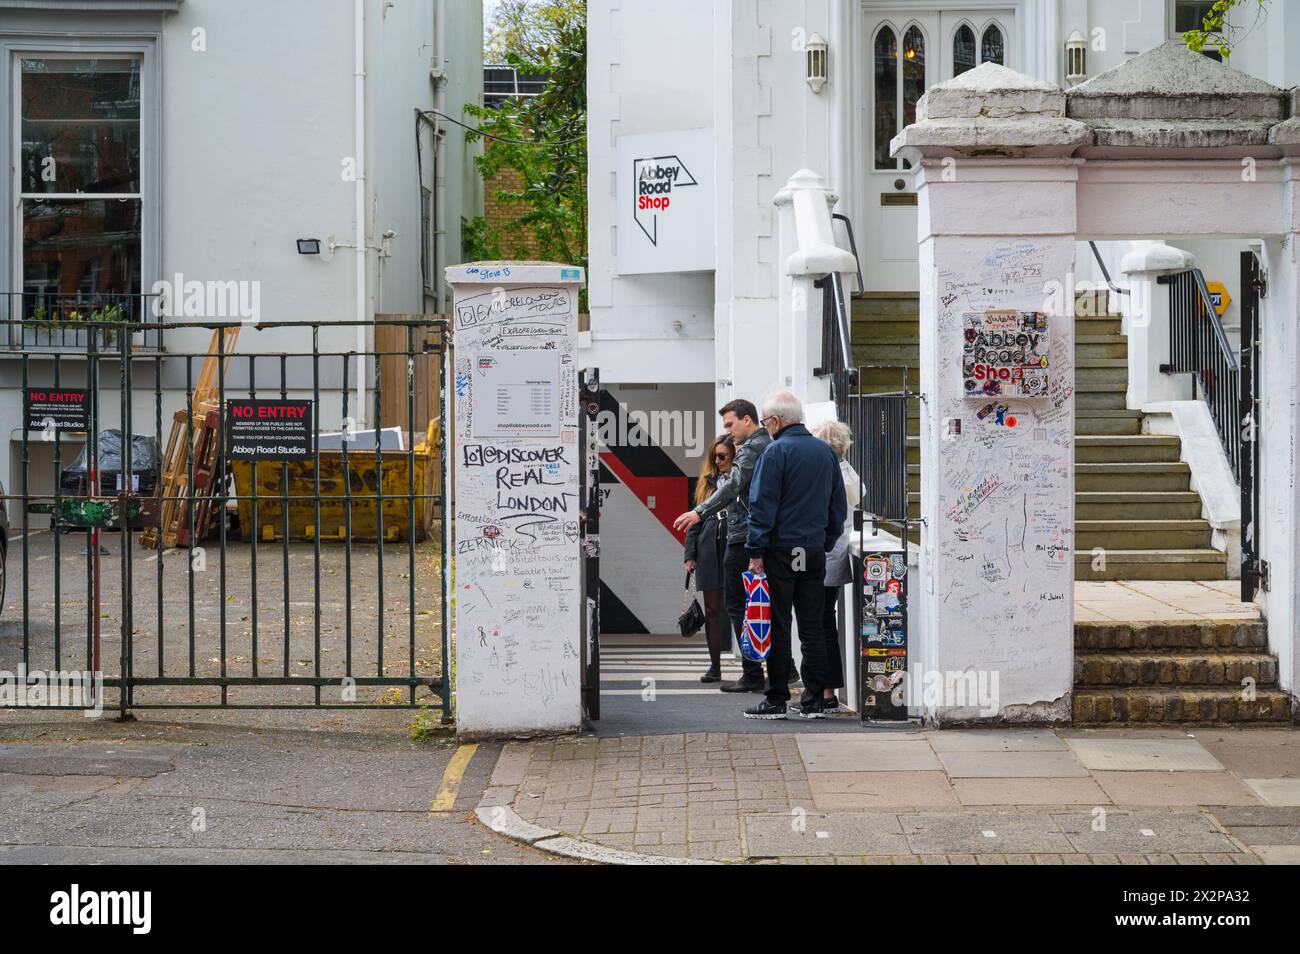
(980, 740)
(1170, 789)
(1276, 791)
(846, 753)
(1011, 765)
(1029, 791)
(881, 791)
(1259, 815)
(1144, 832)
(1137, 755)
(1267, 757)
(823, 835)
(983, 834)
(1278, 854)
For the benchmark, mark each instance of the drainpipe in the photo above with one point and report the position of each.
(359, 84)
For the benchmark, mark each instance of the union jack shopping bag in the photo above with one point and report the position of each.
(756, 634)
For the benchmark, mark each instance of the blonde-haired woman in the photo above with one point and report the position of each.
(839, 563)
(706, 544)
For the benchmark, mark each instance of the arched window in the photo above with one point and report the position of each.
(992, 49)
(886, 105)
(900, 84)
(963, 50)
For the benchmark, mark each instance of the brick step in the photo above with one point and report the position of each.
(1200, 635)
(1164, 475)
(1179, 706)
(1128, 670)
(1137, 505)
(1202, 563)
(1190, 534)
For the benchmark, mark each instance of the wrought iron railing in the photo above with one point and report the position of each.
(1199, 346)
(56, 322)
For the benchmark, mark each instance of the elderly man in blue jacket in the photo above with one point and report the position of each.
(797, 508)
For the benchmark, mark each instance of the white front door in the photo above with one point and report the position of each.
(906, 53)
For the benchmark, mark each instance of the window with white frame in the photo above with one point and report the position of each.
(80, 201)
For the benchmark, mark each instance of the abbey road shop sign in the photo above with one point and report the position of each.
(269, 429)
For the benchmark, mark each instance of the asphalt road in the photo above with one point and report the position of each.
(77, 791)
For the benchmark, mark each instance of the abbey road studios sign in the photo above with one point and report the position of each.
(63, 409)
(269, 429)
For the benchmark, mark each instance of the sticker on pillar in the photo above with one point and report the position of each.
(883, 646)
(1004, 354)
(877, 570)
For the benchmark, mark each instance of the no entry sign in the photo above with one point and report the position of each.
(63, 409)
(270, 429)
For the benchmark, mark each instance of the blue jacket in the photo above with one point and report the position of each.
(796, 498)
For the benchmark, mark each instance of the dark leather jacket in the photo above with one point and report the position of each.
(735, 487)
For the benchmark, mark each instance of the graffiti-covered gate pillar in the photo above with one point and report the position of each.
(997, 231)
(516, 562)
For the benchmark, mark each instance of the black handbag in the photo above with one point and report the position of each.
(692, 618)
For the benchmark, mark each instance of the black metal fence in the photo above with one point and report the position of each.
(244, 579)
(53, 321)
(1199, 346)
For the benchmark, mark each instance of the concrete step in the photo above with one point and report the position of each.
(863, 332)
(1165, 637)
(1097, 325)
(1101, 346)
(887, 352)
(1179, 706)
(1191, 564)
(1164, 475)
(1137, 505)
(1126, 670)
(1193, 534)
(1107, 422)
(907, 304)
(1133, 448)
(1101, 449)
(1109, 399)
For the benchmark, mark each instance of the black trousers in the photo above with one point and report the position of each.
(734, 563)
(800, 593)
(831, 634)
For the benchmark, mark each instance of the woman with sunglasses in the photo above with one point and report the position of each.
(706, 544)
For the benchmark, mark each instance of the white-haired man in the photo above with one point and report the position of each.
(797, 508)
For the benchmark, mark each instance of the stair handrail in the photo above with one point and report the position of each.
(1199, 346)
(853, 248)
(1105, 272)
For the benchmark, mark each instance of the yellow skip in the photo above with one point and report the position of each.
(451, 778)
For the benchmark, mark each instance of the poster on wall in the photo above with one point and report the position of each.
(1004, 354)
(666, 214)
(883, 637)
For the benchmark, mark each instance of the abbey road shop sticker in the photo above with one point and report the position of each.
(59, 409)
(269, 429)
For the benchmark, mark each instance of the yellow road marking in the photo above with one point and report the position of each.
(451, 778)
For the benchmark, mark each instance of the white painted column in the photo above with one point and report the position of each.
(997, 568)
(1279, 434)
(808, 250)
(1146, 322)
(516, 563)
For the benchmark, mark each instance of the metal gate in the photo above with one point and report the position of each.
(589, 494)
(183, 569)
(1254, 286)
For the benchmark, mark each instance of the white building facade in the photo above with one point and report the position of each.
(198, 141)
(691, 302)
